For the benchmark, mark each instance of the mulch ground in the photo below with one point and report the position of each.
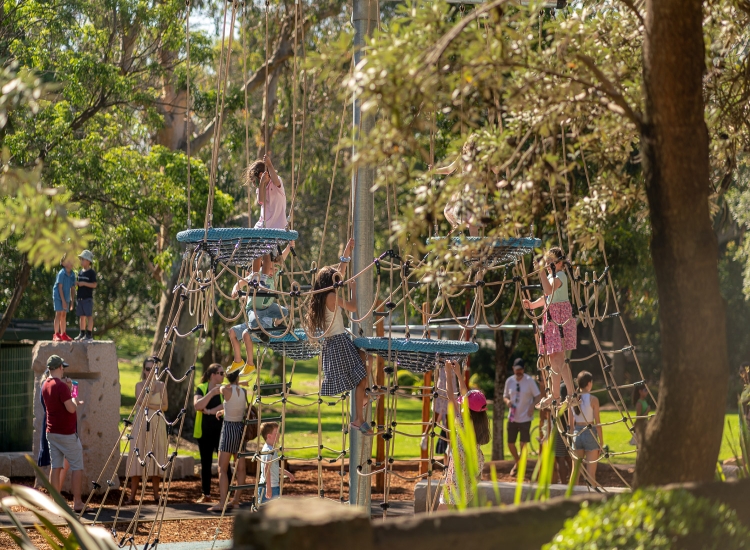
(305, 484)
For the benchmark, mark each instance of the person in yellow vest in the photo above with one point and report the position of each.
(207, 401)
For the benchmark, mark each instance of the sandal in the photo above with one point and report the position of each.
(364, 428)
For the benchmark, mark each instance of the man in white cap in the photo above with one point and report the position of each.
(85, 296)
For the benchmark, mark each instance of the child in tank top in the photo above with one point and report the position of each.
(343, 367)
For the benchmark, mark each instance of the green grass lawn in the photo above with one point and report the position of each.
(302, 421)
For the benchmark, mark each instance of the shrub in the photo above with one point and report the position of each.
(406, 378)
(653, 519)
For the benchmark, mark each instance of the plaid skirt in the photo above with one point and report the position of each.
(549, 340)
(343, 368)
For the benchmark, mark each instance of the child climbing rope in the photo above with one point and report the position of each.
(261, 311)
(478, 412)
(343, 368)
(559, 329)
(62, 299)
(458, 208)
(271, 197)
(270, 469)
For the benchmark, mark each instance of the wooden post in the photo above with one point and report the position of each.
(426, 395)
(380, 409)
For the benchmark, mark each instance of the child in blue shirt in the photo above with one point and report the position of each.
(62, 299)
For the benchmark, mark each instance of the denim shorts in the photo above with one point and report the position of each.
(58, 303)
(266, 316)
(275, 493)
(585, 439)
(62, 446)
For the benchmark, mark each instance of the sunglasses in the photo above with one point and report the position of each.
(146, 369)
(220, 373)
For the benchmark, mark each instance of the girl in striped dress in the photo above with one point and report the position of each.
(343, 367)
(231, 441)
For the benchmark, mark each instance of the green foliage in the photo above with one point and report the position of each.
(406, 378)
(39, 219)
(81, 536)
(464, 494)
(654, 518)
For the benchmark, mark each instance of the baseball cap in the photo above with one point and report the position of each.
(519, 363)
(477, 400)
(87, 255)
(56, 361)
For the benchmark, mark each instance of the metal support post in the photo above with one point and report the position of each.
(365, 19)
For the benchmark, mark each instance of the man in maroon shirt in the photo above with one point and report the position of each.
(62, 422)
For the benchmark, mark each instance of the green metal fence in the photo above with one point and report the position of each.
(16, 399)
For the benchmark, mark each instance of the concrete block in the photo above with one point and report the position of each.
(19, 465)
(506, 489)
(5, 464)
(4, 480)
(303, 524)
(94, 366)
(188, 466)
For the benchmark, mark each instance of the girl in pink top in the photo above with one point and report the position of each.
(270, 193)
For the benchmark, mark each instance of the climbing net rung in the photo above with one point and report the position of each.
(489, 251)
(237, 246)
(293, 345)
(417, 355)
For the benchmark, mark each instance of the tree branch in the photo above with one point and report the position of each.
(283, 51)
(22, 281)
(612, 91)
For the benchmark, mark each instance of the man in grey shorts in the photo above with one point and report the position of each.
(62, 423)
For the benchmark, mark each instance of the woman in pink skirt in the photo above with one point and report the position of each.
(558, 332)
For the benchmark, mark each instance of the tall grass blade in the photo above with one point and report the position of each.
(521, 475)
(495, 486)
(573, 477)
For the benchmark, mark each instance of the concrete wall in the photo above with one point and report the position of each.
(505, 490)
(94, 366)
(317, 524)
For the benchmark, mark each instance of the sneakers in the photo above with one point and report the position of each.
(81, 336)
(89, 337)
(56, 338)
(247, 369)
(236, 365)
(65, 338)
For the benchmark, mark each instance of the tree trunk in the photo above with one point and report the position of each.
(22, 281)
(682, 442)
(498, 405)
(181, 354)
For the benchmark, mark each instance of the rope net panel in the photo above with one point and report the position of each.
(237, 246)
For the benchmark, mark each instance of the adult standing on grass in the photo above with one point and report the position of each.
(62, 423)
(208, 401)
(520, 395)
(149, 433)
(589, 437)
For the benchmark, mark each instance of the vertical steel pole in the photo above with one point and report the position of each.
(365, 19)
